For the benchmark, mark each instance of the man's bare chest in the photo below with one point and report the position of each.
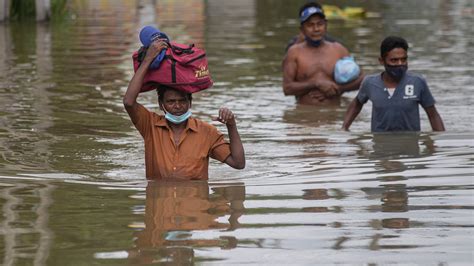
(312, 66)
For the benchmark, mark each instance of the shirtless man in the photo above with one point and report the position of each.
(308, 68)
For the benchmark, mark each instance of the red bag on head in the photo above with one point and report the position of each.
(184, 68)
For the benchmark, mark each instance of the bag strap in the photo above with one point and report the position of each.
(178, 50)
(173, 71)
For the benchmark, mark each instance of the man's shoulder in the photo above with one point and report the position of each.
(413, 75)
(145, 114)
(303, 51)
(296, 48)
(372, 78)
(201, 125)
(338, 47)
(144, 110)
(157, 119)
(371, 82)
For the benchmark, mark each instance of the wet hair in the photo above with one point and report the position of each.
(310, 4)
(162, 89)
(390, 43)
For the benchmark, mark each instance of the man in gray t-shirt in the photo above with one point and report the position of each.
(395, 94)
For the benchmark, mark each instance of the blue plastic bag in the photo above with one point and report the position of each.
(346, 70)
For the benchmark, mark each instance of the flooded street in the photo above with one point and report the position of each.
(72, 176)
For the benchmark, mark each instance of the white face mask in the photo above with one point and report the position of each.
(177, 119)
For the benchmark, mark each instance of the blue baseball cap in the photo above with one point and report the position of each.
(149, 34)
(308, 12)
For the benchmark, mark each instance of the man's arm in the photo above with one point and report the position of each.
(236, 158)
(351, 86)
(435, 119)
(290, 85)
(352, 111)
(136, 83)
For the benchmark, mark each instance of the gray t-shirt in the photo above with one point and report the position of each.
(400, 111)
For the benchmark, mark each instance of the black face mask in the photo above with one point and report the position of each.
(396, 72)
(313, 43)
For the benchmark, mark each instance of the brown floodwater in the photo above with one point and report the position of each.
(72, 179)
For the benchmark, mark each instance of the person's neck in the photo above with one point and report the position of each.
(323, 42)
(389, 81)
(177, 127)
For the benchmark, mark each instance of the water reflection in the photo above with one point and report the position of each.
(315, 194)
(27, 114)
(25, 223)
(323, 194)
(394, 154)
(317, 117)
(185, 29)
(5, 51)
(394, 201)
(394, 198)
(174, 210)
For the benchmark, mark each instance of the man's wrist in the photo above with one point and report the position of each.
(147, 61)
(231, 125)
(315, 85)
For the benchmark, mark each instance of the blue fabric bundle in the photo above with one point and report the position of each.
(148, 35)
(346, 70)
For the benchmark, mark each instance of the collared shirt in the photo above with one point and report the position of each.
(189, 159)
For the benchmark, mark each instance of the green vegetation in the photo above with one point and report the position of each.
(58, 8)
(21, 10)
(26, 10)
